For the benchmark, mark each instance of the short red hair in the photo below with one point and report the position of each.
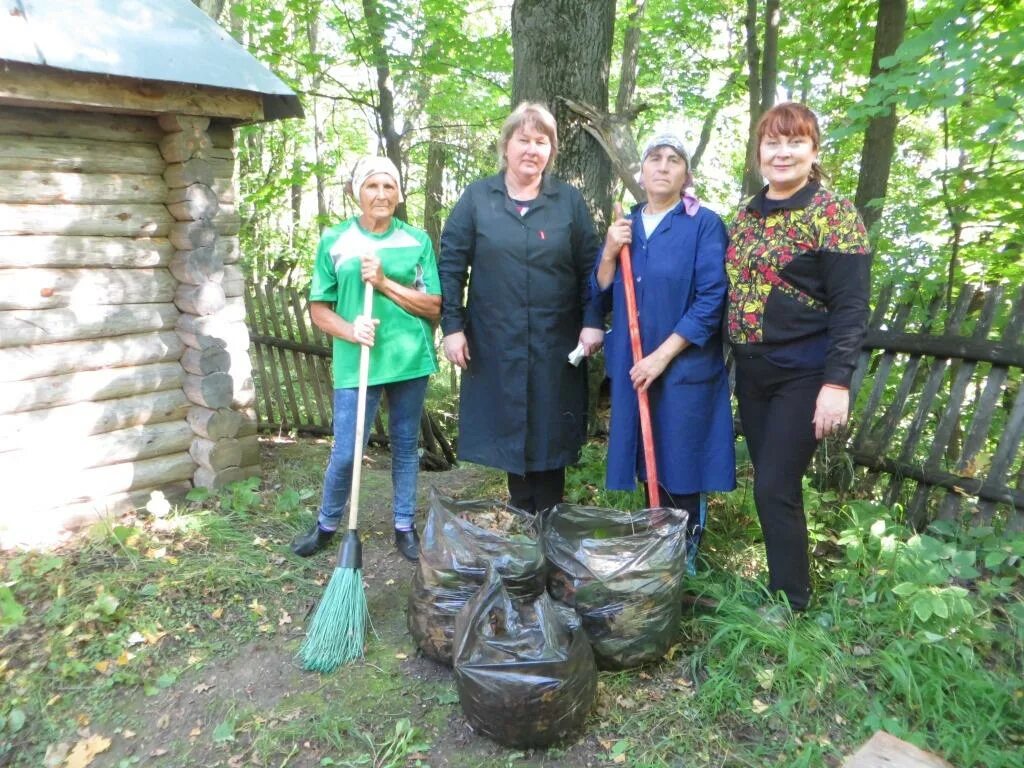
(790, 119)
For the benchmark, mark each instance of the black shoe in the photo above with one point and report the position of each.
(310, 543)
(408, 544)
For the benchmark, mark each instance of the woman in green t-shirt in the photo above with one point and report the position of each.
(398, 260)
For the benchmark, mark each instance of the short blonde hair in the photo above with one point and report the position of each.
(529, 114)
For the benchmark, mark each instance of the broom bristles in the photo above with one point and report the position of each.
(338, 630)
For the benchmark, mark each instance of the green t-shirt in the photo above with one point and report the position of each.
(404, 344)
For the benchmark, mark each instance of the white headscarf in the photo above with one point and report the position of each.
(367, 166)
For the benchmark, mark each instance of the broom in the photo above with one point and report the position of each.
(338, 630)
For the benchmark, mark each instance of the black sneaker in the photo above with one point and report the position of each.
(310, 543)
(408, 544)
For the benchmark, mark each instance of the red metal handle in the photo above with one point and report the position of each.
(646, 432)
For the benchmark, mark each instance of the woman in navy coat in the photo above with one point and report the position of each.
(525, 244)
(678, 256)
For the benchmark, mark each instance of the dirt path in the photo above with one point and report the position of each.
(250, 703)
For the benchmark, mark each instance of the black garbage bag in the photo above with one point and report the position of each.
(623, 573)
(460, 540)
(524, 679)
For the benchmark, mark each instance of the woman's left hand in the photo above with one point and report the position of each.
(592, 340)
(831, 411)
(644, 373)
(370, 270)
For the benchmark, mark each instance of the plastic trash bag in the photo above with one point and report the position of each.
(454, 556)
(623, 573)
(524, 679)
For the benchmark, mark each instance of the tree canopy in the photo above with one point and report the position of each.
(428, 82)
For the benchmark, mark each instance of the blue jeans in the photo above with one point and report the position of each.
(405, 405)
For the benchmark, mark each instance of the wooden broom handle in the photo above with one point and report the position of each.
(357, 453)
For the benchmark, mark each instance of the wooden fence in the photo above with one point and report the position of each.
(292, 372)
(938, 424)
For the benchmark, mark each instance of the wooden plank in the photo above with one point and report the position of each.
(263, 400)
(40, 360)
(877, 318)
(50, 425)
(320, 396)
(301, 377)
(89, 385)
(23, 153)
(950, 420)
(1007, 453)
(44, 326)
(971, 350)
(273, 384)
(884, 750)
(106, 220)
(29, 85)
(63, 124)
(271, 315)
(48, 288)
(74, 251)
(923, 414)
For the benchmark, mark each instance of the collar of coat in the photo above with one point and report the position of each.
(549, 187)
(759, 203)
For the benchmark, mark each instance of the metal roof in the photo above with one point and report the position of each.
(165, 40)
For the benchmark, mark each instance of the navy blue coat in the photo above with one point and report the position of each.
(679, 275)
(522, 407)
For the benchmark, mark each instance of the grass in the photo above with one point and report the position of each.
(922, 635)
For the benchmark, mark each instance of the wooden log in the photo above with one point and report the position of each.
(117, 220)
(250, 422)
(81, 252)
(194, 171)
(244, 393)
(33, 86)
(212, 331)
(203, 299)
(222, 134)
(224, 188)
(227, 221)
(38, 360)
(33, 153)
(250, 446)
(50, 527)
(203, 362)
(89, 385)
(45, 489)
(195, 202)
(189, 235)
(191, 123)
(180, 146)
(57, 187)
(46, 288)
(228, 249)
(207, 478)
(216, 454)
(64, 124)
(197, 266)
(233, 280)
(74, 453)
(214, 424)
(43, 326)
(211, 391)
(884, 749)
(48, 426)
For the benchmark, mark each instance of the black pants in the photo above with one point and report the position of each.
(776, 407)
(536, 491)
(688, 502)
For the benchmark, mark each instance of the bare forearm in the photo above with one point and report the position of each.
(330, 322)
(670, 348)
(413, 301)
(606, 269)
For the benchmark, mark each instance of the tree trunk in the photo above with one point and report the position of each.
(761, 84)
(434, 191)
(377, 27)
(562, 50)
(880, 135)
(630, 55)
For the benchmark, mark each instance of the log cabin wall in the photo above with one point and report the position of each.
(123, 362)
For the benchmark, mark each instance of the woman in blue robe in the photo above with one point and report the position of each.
(678, 258)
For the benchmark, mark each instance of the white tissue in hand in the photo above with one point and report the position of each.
(576, 355)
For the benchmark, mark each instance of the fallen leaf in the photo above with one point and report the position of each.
(159, 752)
(401, 656)
(55, 754)
(85, 750)
(156, 554)
(124, 658)
(256, 608)
(389, 582)
(217, 614)
(128, 734)
(195, 732)
(644, 676)
(163, 721)
(102, 666)
(202, 688)
(619, 758)
(135, 638)
(286, 618)
(759, 706)
(83, 719)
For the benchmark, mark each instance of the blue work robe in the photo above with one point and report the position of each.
(679, 275)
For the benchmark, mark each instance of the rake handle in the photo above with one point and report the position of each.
(646, 430)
